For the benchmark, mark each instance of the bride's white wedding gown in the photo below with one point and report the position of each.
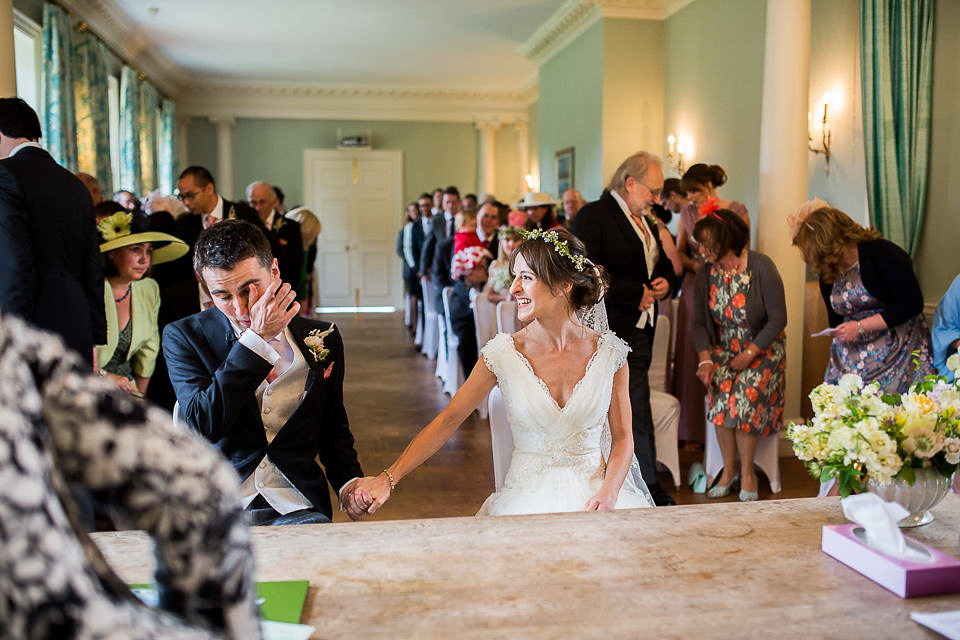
(558, 460)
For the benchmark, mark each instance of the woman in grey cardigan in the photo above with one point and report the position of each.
(739, 319)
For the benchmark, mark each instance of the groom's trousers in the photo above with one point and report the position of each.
(638, 361)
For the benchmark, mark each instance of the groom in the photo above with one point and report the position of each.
(264, 385)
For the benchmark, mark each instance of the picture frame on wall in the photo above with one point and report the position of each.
(564, 166)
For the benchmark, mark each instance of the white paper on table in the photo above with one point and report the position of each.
(829, 331)
(946, 623)
(285, 630)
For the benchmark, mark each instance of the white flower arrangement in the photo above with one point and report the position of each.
(859, 433)
(314, 342)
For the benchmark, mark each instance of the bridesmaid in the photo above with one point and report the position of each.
(700, 184)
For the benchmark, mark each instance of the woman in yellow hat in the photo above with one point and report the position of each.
(132, 300)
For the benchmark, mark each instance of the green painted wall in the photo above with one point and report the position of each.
(533, 140)
(632, 90)
(570, 112)
(937, 259)
(714, 84)
(434, 153)
(202, 147)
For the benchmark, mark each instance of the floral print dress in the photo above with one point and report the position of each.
(752, 399)
(884, 356)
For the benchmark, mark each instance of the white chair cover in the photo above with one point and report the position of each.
(507, 317)
(453, 377)
(431, 327)
(659, 355)
(418, 336)
(767, 457)
(666, 421)
(407, 315)
(501, 437)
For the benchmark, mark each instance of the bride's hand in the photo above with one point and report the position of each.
(372, 491)
(602, 502)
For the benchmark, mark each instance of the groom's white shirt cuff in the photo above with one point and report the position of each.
(262, 348)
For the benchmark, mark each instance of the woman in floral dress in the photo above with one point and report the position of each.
(739, 320)
(874, 302)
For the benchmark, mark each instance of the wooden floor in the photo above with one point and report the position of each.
(391, 392)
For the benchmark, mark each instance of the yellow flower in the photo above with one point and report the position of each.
(115, 226)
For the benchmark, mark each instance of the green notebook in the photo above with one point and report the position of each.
(282, 601)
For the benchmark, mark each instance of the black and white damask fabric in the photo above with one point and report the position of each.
(60, 425)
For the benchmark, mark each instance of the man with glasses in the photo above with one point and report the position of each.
(620, 236)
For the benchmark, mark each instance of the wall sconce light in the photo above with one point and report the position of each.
(825, 133)
(679, 152)
(530, 181)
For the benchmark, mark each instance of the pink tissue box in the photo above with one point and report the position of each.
(905, 578)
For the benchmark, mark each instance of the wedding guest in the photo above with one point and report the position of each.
(441, 227)
(874, 302)
(540, 210)
(619, 236)
(62, 426)
(286, 238)
(310, 229)
(126, 199)
(469, 203)
(488, 224)
(699, 187)
(409, 243)
(572, 203)
(263, 384)
(739, 318)
(132, 300)
(92, 186)
(673, 199)
(51, 266)
(466, 244)
(499, 277)
(946, 329)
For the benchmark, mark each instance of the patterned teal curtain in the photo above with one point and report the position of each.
(167, 163)
(147, 122)
(896, 44)
(59, 122)
(130, 132)
(92, 105)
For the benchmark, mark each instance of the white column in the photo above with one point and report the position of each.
(488, 157)
(523, 154)
(783, 164)
(224, 175)
(8, 67)
(183, 133)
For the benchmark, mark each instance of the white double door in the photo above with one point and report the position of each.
(357, 196)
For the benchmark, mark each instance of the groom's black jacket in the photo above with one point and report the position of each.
(215, 379)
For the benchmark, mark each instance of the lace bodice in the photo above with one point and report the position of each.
(560, 436)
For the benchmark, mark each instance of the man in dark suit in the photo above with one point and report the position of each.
(441, 227)
(51, 272)
(619, 236)
(179, 292)
(284, 234)
(488, 221)
(263, 384)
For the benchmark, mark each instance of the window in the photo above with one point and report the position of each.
(113, 91)
(27, 51)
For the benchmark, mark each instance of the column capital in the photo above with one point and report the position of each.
(487, 125)
(223, 121)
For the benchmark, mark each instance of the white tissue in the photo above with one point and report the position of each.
(879, 520)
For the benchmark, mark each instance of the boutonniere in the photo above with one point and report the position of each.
(314, 342)
(745, 278)
(652, 219)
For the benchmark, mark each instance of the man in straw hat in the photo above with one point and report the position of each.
(49, 257)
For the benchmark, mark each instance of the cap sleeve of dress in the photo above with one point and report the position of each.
(618, 347)
(493, 353)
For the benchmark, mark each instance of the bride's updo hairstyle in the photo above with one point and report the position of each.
(554, 269)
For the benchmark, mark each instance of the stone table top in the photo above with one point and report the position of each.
(726, 570)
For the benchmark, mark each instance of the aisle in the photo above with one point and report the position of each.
(391, 392)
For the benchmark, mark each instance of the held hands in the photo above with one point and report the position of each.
(271, 310)
(743, 359)
(366, 495)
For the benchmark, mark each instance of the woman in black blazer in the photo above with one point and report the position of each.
(873, 299)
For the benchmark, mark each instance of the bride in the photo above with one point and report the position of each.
(565, 390)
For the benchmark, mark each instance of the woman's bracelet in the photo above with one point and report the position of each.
(703, 362)
(859, 327)
(393, 485)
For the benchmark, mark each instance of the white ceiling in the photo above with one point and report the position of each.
(426, 43)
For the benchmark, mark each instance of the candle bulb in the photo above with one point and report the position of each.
(672, 143)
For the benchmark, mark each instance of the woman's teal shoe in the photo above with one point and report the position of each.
(697, 478)
(749, 496)
(722, 491)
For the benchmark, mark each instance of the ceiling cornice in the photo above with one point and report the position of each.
(111, 24)
(576, 16)
(222, 97)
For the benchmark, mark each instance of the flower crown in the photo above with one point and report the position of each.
(560, 246)
(115, 226)
(799, 217)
